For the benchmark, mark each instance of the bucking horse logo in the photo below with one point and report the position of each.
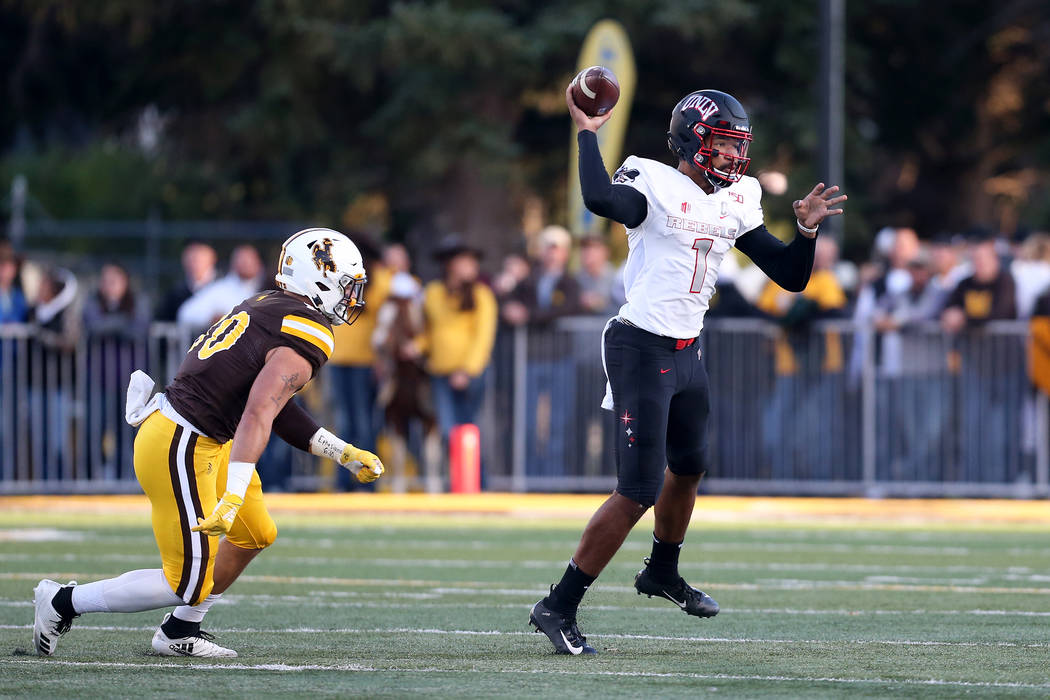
(323, 255)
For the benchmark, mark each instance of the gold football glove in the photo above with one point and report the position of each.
(221, 519)
(365, 465)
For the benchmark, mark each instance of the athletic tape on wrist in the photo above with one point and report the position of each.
(238, 476)
(325, 444)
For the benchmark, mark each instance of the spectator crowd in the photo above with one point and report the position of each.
(416, 364)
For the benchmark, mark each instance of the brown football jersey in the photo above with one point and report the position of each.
(211, 388)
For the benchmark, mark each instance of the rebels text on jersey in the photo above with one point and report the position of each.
(675, 253)
(212, 386)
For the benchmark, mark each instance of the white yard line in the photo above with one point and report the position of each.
(764, 542)
(362, 668)
(961, 586)
(384, 600)
(771, 546)
(1009, 573)
(595, 635)
(69, 557)
(762, 545)
(40, 534)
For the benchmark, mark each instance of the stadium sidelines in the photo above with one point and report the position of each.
(719, 509)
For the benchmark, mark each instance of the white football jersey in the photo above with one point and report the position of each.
(675, 253)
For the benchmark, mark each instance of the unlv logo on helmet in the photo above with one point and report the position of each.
(702, 104)
(322, 254)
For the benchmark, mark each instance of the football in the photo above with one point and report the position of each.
(595, 90)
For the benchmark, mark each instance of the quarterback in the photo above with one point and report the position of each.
(198, 442)
(681, 221)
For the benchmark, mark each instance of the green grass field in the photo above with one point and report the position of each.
(401, 605)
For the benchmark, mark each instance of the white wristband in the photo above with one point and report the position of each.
(238, 476)
(324, 444)
(803, 229)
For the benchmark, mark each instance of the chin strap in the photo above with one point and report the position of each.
(714, 183)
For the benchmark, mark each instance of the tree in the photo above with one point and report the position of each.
(432, 116)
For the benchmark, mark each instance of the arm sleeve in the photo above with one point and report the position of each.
(788, 265)
(620, 203)
(295, 426)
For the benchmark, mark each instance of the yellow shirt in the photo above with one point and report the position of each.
(353, 343)
(458, 340)
(825, 290)
(1039, 353)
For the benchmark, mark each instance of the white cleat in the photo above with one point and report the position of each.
(48, 625)
(200, 644)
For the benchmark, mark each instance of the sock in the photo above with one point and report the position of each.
(63, 602)
(566, 596)
(196, 613)
(134, 591)
(663, 562)
(175, 628)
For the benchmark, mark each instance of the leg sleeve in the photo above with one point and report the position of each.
(134, 591)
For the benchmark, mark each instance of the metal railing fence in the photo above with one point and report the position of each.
(828, 410)
(62, 423)
(831, 409)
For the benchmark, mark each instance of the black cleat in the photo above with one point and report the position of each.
(561, 630)
(689, 599)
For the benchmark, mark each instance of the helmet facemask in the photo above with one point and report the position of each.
(352, 304)
(706, 154)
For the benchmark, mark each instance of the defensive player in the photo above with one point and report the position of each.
(681, 221)
(196, 449)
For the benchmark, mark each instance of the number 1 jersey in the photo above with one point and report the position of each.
(212, 386)
(674, 254)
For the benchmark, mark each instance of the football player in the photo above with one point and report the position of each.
(198, 442)
(681, 221)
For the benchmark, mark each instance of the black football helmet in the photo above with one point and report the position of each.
(697, 120)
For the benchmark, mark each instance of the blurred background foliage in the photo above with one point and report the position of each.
(411, 118)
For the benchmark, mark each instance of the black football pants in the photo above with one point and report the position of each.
(661, 406)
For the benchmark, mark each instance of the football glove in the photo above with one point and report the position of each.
(365, 465)
(221, 519)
